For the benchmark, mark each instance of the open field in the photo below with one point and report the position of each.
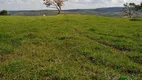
(70, 47)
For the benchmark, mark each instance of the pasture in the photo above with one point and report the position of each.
(70, 47)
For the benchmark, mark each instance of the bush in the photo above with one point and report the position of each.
(4, 12)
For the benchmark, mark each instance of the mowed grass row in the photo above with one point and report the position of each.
(70, 47)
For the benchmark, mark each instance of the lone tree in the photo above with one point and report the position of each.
(4, 12)
(56, 3)
(129, 10)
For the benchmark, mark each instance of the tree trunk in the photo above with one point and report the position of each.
(59, 9)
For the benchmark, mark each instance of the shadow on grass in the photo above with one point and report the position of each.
(134, 19)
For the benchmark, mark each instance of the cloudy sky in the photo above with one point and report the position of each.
(70, 4)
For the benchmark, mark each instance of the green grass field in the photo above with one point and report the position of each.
(70, 47)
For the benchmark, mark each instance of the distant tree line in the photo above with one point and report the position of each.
(131, 9)
(4, 12)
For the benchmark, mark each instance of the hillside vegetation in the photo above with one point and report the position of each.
(110, 12)
(70, 47)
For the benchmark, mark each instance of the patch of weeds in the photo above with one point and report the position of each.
(1, 75)
(4, 58)
(119, 77)
(36, 42)
(107, 61)
(16, 41)
(4, 37)
(92, 60)
(47, 72)
(122, 46)
(136, 34)
(97, 77)
(131, 70)
(92, 29)
(51, 60)
(124, 68)
(14, 66)
(51, 74)
(85, 52)
(63, 38)
(137, 59)
(34, 30)
(61, 78)
(98, 60)
(31, 35)
(116, 40)
(8, 46)
(99, 48)
(6, 50)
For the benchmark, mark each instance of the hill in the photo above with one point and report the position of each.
(70, 47)
(110, 11)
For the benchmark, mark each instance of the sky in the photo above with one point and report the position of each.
(70, 4)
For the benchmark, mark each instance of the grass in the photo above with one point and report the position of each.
(70, 47)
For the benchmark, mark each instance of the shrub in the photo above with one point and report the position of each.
(4, 12)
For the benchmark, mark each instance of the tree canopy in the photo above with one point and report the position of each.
(130, 9)
(4, 12)
(56, 3)
(138, 7)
